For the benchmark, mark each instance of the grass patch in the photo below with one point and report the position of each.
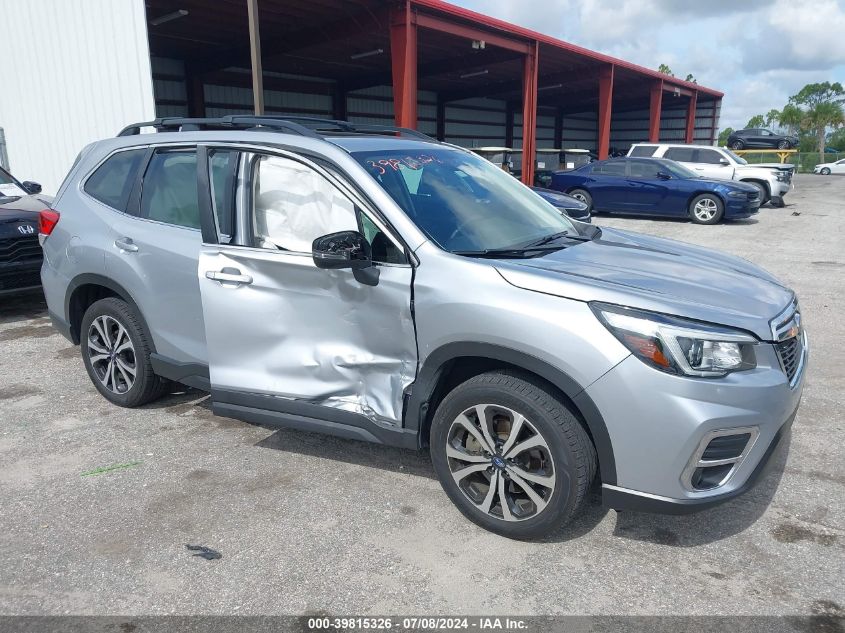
(108, 469)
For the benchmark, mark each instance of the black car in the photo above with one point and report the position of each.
(565, 203)
(760, 138)
(20, 252)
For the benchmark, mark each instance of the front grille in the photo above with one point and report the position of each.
(20, 249)
(789, 353)
(20, 279)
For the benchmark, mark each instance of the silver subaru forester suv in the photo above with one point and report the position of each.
(372, 283)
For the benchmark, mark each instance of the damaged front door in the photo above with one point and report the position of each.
(330, 350)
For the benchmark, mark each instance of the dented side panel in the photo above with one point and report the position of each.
(303, 333)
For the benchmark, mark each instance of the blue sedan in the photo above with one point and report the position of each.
(656, 186)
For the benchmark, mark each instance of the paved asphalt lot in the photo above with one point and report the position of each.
(308, 524)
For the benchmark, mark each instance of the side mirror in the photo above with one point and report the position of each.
(31, 187)
(663, 175)
(724, 162)
(345, 249)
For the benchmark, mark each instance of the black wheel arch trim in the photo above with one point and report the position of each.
(94, 279)
(423, 390)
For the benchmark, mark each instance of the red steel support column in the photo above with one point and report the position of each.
(654, 111)
(403, 53)
(605, 110)
(529, 114)
(693, 104)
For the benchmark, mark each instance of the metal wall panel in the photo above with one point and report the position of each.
(74, 71)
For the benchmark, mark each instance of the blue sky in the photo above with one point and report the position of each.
(758, 52)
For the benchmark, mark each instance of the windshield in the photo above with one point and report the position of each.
(738, 159)
(9, 187)
(463, 202)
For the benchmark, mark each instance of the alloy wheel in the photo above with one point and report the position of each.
(500, 462)
(111, 354)
(580, 196)
(705, 209)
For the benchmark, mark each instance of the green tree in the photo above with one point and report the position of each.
(758, 120)
(790, 118)
(773, 117)
(690, 78)
(837, 139)
(663, 68)
(723, 136)
(821, 108)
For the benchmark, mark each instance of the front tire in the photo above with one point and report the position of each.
(706, 208)
(825, 171)
(783, 145)
(116, 354)
(584, 196)
(763, 191)
(511, 455)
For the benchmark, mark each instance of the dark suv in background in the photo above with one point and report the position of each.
(761, 138)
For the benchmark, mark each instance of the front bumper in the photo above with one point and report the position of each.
(19, 276)
(657, 421)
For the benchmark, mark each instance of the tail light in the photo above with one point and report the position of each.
(47, 221)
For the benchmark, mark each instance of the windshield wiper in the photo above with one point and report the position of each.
(526, 251)
(555, 236)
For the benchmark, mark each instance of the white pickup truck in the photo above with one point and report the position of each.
(774, 180)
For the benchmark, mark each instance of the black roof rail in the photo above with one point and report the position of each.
(301, 125)
(232, 121)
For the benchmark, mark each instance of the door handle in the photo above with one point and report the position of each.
(228, 275)
(126, 244)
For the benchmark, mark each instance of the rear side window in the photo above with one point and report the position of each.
(680, 154)
(643, 151)
(112, 182)
(610, 169)
(709, 156)
(169, 192)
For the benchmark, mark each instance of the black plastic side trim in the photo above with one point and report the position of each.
(191, 374)
(305, 416)
(423, 388)
(621, 499)
(61, 325)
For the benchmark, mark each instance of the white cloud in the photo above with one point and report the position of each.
(758, 52)
(795, 35)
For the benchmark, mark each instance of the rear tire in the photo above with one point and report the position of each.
(737, 145)
(519, 494)
(116, 354)
(584, 196)
(706, 208)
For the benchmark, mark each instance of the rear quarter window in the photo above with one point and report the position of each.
(643, 151)
(112, 181)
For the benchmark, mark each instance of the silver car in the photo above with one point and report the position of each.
(381, 286)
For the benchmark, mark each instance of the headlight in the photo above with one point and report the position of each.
(678, 346)
(738, 194)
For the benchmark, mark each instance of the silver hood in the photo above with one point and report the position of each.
(657, 274)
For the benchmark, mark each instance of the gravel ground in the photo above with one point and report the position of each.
(309, 524)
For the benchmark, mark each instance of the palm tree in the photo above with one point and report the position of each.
(822, 116)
